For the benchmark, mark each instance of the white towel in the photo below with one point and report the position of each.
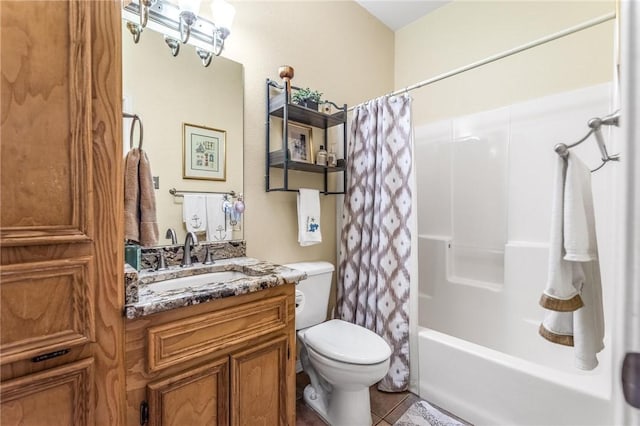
(560, 294)
(309, 232)
(573, 264)
(194, 212)
(218, 226)
(579, 219)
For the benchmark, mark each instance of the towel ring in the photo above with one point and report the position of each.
(136, 118)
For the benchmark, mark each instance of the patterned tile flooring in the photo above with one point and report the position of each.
(386, 408)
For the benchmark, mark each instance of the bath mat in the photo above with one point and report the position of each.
(423, 414)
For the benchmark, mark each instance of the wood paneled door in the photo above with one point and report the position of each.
(199, 396)
(61, 284)
(259, 386)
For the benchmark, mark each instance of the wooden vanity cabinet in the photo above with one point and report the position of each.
(226, 362)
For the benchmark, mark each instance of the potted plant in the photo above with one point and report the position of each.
(307, 98)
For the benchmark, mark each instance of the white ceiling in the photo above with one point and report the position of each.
(396, 14)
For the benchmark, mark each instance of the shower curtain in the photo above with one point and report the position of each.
(375, 247)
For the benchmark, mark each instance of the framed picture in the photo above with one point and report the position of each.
(203, 152)
(299, 143)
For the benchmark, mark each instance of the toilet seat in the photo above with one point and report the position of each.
(346, 342)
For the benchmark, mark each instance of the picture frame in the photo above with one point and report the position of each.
(204, 152)
(299, 143)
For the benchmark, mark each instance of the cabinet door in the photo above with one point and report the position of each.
(259, 384)
(61, 250)
(58, 396)
(199, 396)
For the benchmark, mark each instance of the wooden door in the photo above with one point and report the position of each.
(259, 385)
(57, 396)
(61, 270)
(199, 396)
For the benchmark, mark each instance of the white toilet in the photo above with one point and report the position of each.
(342, 359)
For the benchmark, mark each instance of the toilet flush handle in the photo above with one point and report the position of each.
(300, 299)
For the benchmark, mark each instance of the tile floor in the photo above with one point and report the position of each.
(386, 408)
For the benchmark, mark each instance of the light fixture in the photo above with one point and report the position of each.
(181, 23)
(174, 45)
(144, 12)
(188, 14)
(135, 31)
(204, 56)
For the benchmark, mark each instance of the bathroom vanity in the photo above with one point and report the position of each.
(213, 344)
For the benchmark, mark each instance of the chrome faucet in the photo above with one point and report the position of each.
(171, 233)
(189, 242)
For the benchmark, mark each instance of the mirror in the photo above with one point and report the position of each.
(167, 92)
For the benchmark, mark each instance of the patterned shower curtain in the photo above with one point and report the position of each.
(375, 248)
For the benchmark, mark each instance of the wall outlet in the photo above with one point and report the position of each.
(156, 182)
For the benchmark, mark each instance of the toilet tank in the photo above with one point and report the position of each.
(312, 293)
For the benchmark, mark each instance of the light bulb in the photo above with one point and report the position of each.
(223, 14)
(192, 6)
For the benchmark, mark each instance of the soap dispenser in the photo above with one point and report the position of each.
(321, 158)
(332, 158)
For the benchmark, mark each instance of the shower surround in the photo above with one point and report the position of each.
(484, 206)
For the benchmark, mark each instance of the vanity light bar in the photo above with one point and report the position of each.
(164, 17)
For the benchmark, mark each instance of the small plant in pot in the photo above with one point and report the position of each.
(307, 98)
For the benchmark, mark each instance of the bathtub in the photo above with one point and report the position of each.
(484, 213)
(480, 355)
(487, 387)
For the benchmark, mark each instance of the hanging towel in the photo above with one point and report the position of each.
(218, 226)
(148, 220)
(309, 232)
(573, 295)
(131, 196)
(560, 294)
(141, 224)
(194, 212)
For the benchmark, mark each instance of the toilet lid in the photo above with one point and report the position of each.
(346, 342)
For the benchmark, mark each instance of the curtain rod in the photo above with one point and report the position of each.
(587, 24)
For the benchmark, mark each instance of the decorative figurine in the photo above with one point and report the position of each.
(286, 73)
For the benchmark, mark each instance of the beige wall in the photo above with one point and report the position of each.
(463, 32)
(336, 48)
(341, 50)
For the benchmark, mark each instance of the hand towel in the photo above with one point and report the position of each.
(218, 227)
(579, 219)
(140, 220)
(309, 232)
(583, 326)
(148, 221)
(194, 212)
(131, 196)
(559, 294)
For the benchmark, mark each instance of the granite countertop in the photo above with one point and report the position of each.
(150, 299)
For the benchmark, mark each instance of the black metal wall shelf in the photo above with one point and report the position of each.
(304, 115)
(277, 160)
(279, 107)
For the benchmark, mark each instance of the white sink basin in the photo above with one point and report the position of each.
(211, 278)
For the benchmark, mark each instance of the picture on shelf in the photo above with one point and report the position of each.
(299, 143)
